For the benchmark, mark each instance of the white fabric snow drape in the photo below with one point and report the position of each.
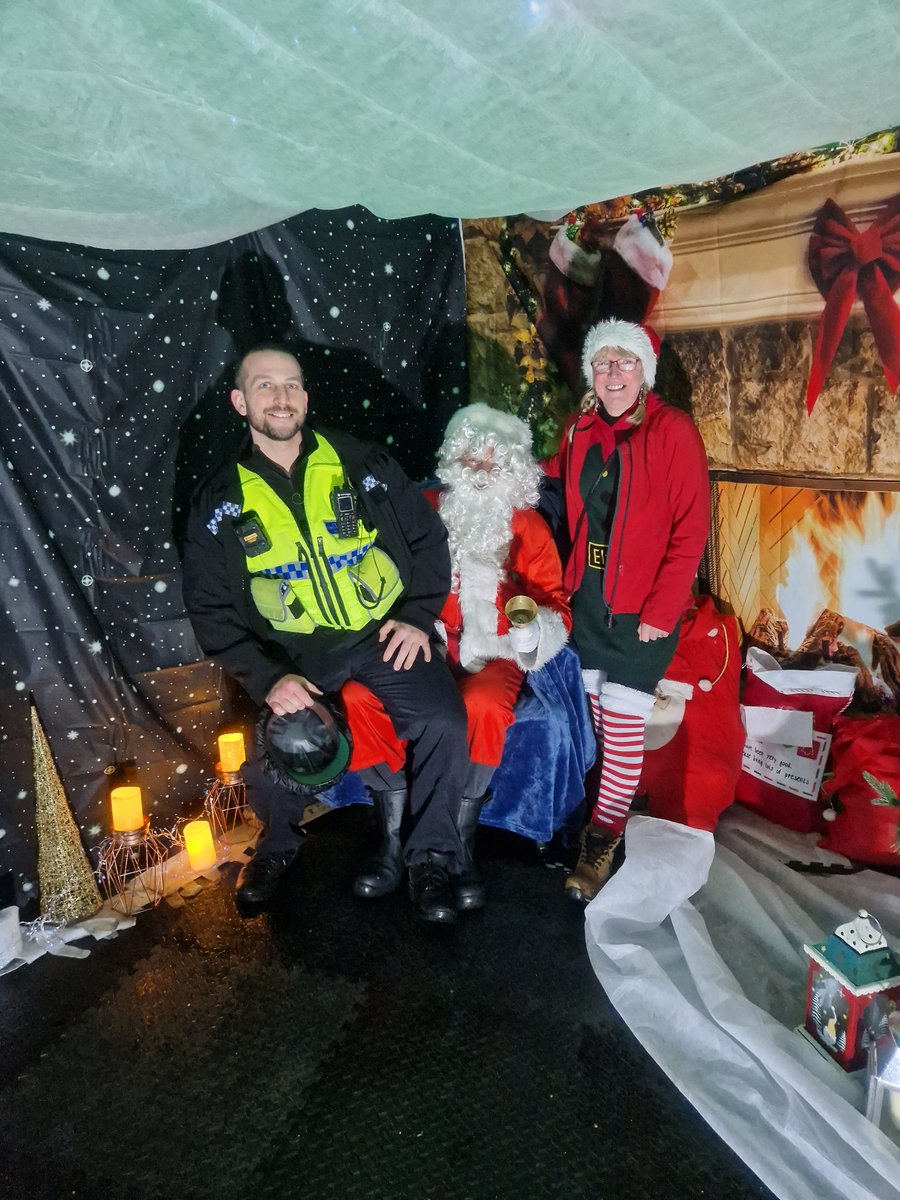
(698, 943)
(180, 123)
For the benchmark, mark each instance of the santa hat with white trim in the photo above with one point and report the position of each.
(639, 340)
(480, 420)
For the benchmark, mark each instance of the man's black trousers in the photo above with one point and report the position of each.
(426, 711)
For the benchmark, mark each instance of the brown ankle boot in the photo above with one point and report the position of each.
(594, 865)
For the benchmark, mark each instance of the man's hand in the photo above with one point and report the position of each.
(290, 694)
(405, 643)
(649, 633)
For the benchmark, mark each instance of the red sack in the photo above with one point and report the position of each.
(782, 781)
(861, 830)
(694, 735)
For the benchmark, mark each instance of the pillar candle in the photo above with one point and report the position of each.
(201, 849)
(128, 815)
(231, 751)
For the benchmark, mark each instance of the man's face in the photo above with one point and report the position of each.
(482, 470)
(271, 396)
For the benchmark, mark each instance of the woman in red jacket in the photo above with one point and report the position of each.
(636, 491)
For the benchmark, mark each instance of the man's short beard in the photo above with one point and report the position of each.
(275, 433)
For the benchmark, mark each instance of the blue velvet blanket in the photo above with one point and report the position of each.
(539, 786)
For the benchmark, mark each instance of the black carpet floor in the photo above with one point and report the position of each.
(325, 1047)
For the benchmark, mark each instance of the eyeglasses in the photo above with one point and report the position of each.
(604, 365)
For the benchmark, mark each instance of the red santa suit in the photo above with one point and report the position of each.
(474, 628)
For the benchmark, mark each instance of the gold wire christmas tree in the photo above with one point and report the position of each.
(68, 887)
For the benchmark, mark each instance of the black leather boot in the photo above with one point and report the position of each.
(468, 886)
(382, 874)
(429, 889)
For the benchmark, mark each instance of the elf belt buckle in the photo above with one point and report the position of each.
(596, 556)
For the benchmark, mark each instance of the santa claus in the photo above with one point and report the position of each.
(501, 551)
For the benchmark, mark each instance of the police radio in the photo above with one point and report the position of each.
(343, 505)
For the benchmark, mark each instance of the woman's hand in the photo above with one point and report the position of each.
(649, 633)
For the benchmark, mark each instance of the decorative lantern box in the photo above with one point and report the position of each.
(854, 984)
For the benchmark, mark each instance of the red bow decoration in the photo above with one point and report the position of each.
(845, 263)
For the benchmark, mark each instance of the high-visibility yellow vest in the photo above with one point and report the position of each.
(309, 577)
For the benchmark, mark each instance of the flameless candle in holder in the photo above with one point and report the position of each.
(132, 861)
(231, 752)
(127, 810)
(200, 845)
(225, 803)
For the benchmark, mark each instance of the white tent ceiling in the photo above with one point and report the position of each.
(172, 123)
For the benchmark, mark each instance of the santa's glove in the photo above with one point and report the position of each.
(524, 638)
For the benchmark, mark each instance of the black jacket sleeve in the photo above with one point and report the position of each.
(213, 585)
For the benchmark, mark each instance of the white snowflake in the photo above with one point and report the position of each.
(388, 268)
(95, 647)
(351, 224)
(94, 830)
(43, 305)
(13, 582)
(72, 735)
(181, 768)
(102, 273)
(2, 833)
(158, 385)
(159, 586)
(213, 296)
(86, 365)
(68, 437)
(115, 490)
(334, 311)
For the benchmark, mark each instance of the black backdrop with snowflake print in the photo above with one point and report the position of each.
(115, 369)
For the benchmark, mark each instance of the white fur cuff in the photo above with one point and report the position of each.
(553, 636)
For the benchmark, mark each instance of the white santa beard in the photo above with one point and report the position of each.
(478, 519)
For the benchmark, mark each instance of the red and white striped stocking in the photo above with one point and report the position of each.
(623, 713)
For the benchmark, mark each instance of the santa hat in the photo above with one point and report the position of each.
(480, 420)
(640, 340)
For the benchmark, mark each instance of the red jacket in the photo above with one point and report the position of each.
(661, 520)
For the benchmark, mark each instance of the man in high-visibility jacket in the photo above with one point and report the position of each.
(312, 560)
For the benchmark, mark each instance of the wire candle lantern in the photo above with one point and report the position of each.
(225, 803)
(133, 860)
